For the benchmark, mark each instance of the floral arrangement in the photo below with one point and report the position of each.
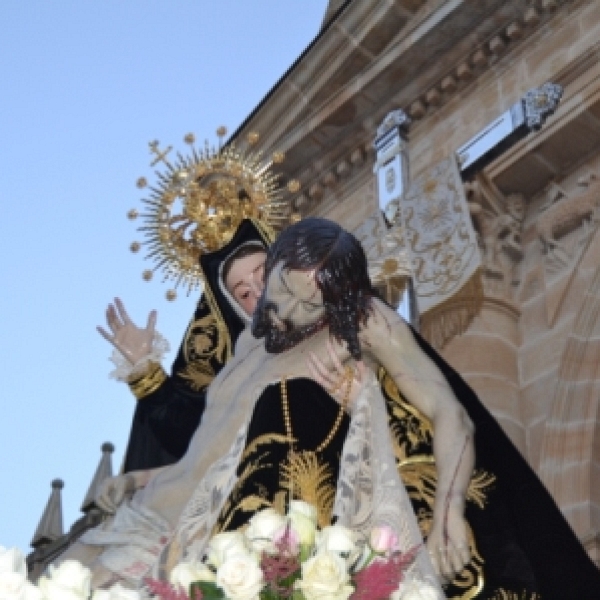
(276, 558)
(288, 558)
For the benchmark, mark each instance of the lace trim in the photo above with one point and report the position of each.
(370, 492)
(202, 511)
(132, 541)
(124, 370)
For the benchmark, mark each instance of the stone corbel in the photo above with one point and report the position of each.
(499, 223)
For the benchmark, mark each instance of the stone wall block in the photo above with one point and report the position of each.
(537, 397)
(500, 318)
(534, 321)
(483, 354)
(542, 354)
(588, 365)
(544, 61)
(589, 20)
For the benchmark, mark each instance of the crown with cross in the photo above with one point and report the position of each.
(199, 200)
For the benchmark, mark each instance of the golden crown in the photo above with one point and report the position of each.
(199, 201)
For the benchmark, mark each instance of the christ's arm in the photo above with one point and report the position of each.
(390, 341)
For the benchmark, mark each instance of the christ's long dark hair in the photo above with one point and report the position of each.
(340, 272)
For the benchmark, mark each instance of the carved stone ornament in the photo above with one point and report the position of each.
(540, 103)
(396, 118)
(499, 223)
(566, 222)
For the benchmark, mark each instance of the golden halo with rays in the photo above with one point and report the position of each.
(198, 202)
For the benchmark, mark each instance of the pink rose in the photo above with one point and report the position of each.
(288, 538)
(383, 539)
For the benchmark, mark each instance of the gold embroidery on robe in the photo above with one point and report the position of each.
(502, 594)
(267, 438)
(308, 479)
(236, 503)
(206, 339)
(199, 374)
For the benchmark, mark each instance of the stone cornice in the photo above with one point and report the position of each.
(527, 17)
(317, 116)
(582, 80)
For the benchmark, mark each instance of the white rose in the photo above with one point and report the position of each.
(340, 540)
(304, 527)
(224, 545)
(186, 573)
(240, 577)
(14, 586)
(117, 592)
(69, 581)
(262, 528)
(413, 589)
(12, 561)
(324, 577)
(304, 508)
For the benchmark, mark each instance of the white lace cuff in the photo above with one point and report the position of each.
(124, 369)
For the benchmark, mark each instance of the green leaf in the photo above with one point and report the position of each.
(297, 595)
(209, 590)
(305, 552)
(289, 581)
(268, 594)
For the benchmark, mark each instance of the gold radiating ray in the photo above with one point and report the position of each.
(198, 200)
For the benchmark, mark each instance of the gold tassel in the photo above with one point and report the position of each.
(453, 317)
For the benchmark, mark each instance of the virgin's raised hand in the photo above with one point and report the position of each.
(133, 342)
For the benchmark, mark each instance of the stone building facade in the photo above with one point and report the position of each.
(533, 351)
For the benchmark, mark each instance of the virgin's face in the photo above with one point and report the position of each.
(245, 280)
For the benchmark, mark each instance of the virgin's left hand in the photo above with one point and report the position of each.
(448, 545)
(343, 383)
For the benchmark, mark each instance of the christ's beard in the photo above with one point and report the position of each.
(281, 335)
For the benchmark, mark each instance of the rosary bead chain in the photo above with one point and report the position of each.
(288, 422)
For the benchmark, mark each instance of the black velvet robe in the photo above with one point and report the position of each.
(266, 472)
(165, 420)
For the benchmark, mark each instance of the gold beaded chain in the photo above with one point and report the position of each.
(338, 421)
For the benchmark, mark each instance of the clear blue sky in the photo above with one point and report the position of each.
(84, 87)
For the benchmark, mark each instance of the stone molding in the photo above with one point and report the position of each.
(568, 466)
(306, 115)
(483, 56)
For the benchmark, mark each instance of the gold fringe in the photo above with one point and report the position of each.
(453, 317)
